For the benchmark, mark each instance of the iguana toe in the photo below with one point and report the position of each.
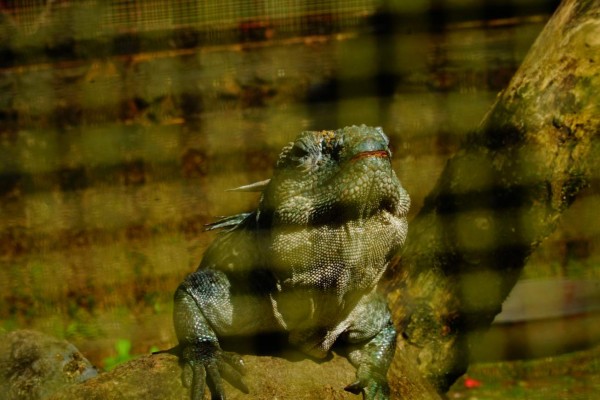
(373, 387)
(206, 364)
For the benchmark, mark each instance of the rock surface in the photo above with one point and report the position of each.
(159, 377)
(33, 365)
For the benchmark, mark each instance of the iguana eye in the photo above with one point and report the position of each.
(302, 156)
(298, 152)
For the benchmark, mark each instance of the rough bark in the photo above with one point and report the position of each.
(499, 197)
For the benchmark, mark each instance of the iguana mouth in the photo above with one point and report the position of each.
(372, 153)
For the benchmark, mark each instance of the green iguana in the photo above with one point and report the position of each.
(305, 263)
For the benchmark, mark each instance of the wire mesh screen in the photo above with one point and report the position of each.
(89, 19)
(123, 122)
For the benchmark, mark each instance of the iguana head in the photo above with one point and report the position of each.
(329, 177)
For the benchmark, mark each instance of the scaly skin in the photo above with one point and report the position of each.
(305, 263)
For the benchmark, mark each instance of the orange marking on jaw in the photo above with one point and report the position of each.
(374, 153)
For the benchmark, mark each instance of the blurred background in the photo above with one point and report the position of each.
(123, 122)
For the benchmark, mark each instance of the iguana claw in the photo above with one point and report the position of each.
(208, 364)
(355, 387)
(372, 389)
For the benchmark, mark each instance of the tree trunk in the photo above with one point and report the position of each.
(498, 198)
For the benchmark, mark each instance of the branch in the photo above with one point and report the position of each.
(499, 197)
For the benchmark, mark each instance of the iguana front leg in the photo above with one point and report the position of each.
(372, 361)
(371, 356)
(203, 359)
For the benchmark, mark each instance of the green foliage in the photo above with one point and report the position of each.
(81, 328)
(123, 348)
